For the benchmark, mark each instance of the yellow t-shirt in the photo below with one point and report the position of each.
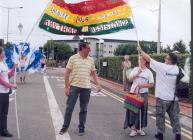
(81, 70)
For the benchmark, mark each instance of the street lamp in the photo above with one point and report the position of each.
(100, 42)
(8, 12)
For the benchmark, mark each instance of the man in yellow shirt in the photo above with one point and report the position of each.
(78, 72)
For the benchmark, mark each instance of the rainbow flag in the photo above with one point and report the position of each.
(94, 17)
(133, 103)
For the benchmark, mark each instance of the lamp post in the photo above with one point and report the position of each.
(8, 14)
(100, 42)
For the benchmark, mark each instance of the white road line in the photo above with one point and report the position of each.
(60, 80)
(98, 94)
(11, 99)
(56, 114)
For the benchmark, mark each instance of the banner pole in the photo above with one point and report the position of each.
(138, 45)
(37, 21)
(16, 112)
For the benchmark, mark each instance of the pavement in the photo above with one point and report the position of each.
(41, 104)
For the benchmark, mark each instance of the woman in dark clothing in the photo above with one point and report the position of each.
(5, 87)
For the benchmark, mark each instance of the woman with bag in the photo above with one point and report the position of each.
(5, 90)
(126, 64)
(142, 79)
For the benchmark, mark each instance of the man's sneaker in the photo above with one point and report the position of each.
(63, 130)
(81, 132)
(141, 132)
(133, 133)
(159, 136)
(178, 136)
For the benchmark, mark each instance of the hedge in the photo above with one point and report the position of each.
(113, 69)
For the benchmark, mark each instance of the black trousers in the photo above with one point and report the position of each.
(4, 107)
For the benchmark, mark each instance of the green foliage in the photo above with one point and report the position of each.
(179, 47)
(123, 49)
(52, 63)
(61, 51)
(113, 70)
(168, 49)
(150, 48)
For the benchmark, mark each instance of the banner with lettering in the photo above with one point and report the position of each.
(94, 17)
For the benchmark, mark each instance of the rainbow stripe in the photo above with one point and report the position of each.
(133, 103)
(86, 18)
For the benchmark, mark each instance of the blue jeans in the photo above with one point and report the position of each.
(71, 101)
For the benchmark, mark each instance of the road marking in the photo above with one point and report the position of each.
(185, 132)
(56, 114)
(55, 77)
(11, 99)
(97, 94)
(60, 80)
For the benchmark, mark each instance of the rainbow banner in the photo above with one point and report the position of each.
(94, 17)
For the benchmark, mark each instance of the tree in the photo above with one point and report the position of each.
(61, 51)
(179, 47)
(124, 49)
(149, 47)
(168, 49)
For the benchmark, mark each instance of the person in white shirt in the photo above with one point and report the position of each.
(5, 87)
(142, 79)
(166, 75)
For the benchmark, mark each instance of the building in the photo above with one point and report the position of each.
(100, 47)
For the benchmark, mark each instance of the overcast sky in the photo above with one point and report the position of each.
(175, 25)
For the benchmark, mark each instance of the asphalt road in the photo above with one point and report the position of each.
(41, 105)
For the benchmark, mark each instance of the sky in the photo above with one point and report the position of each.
(175, 21)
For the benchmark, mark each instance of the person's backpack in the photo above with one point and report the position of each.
(181, 87)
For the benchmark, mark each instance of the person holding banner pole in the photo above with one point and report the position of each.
(5, 90)
(142, 79)
(166, 100)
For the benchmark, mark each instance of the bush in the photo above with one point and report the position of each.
(52, 63)
(113, 70)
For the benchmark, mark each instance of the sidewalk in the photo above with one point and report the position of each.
(185, 108)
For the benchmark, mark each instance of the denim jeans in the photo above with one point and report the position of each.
(84, 96)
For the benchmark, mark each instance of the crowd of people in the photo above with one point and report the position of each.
(81, 67)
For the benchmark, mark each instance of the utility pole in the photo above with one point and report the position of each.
(159, 28)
